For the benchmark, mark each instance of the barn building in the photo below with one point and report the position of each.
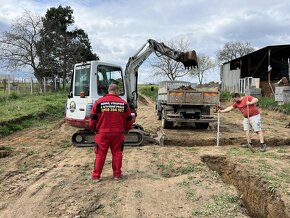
(258, 71)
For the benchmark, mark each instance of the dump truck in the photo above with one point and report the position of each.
(178, 101)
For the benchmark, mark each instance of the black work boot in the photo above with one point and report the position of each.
(246, 145)
(263, 147)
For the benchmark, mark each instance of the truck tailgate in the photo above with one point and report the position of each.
(192, 97)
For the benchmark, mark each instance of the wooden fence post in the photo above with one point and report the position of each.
(55, 78)
(9, 85)
(44, 85)
(31, 88)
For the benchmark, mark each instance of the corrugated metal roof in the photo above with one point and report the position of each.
(284, 50)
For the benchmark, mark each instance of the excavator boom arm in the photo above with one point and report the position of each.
(188, 59)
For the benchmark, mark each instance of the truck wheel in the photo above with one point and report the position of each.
(166, 124)
(201, 125)
(158, 113)
(158, 117)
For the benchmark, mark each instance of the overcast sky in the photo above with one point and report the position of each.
(118, 28)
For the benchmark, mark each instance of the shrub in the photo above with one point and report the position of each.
(225, 96)
(147, 91)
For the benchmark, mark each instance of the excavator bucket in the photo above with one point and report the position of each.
(189, 59)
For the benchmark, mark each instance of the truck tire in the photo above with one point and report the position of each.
(166, 124)
(158, 117)
(201, 125)
(158, 113)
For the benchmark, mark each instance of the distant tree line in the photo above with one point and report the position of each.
(50, 45)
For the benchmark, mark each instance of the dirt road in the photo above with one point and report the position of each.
(44, 176)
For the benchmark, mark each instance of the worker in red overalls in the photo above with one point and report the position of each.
(110, 118)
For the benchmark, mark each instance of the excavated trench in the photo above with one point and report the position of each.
(4, 153)
(186, 142)
(257, 195)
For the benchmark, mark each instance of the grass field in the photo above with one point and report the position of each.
(150, 91)
(18, 112)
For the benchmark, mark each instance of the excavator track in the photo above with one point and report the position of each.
(135, 137)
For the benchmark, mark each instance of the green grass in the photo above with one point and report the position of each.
(225, 96)
(218, 206)
(245, 152)
(138, 194)
(273, 175)
(6, 148)
(269, 103)
(147, 90)
(23, 167)
(172, 169)
(19, 112)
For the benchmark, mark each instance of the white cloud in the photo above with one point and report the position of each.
(118, 28)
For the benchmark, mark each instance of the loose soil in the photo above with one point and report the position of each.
(44, 176)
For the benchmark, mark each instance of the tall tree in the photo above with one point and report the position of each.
(205, 63)
(60, 48)
(18, 44)
(165, 66)
(233, 50)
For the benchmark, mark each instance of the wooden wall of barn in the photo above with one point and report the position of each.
(230, 78)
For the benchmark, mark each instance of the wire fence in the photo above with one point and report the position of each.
(25, 86)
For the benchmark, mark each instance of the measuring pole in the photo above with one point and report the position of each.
(248, 117)
(218, 125)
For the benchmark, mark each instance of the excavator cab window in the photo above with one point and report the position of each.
(82, 80)
(109, 75)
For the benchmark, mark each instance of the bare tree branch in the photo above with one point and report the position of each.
(18, 44)
(233, 50)
(165, 66)
(204, 65)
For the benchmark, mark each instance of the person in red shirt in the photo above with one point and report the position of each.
(110, 118)
(252, 117)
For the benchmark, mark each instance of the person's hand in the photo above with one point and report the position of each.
(217, 108)
(248, 103)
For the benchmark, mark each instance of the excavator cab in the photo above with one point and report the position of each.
(90, 81)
